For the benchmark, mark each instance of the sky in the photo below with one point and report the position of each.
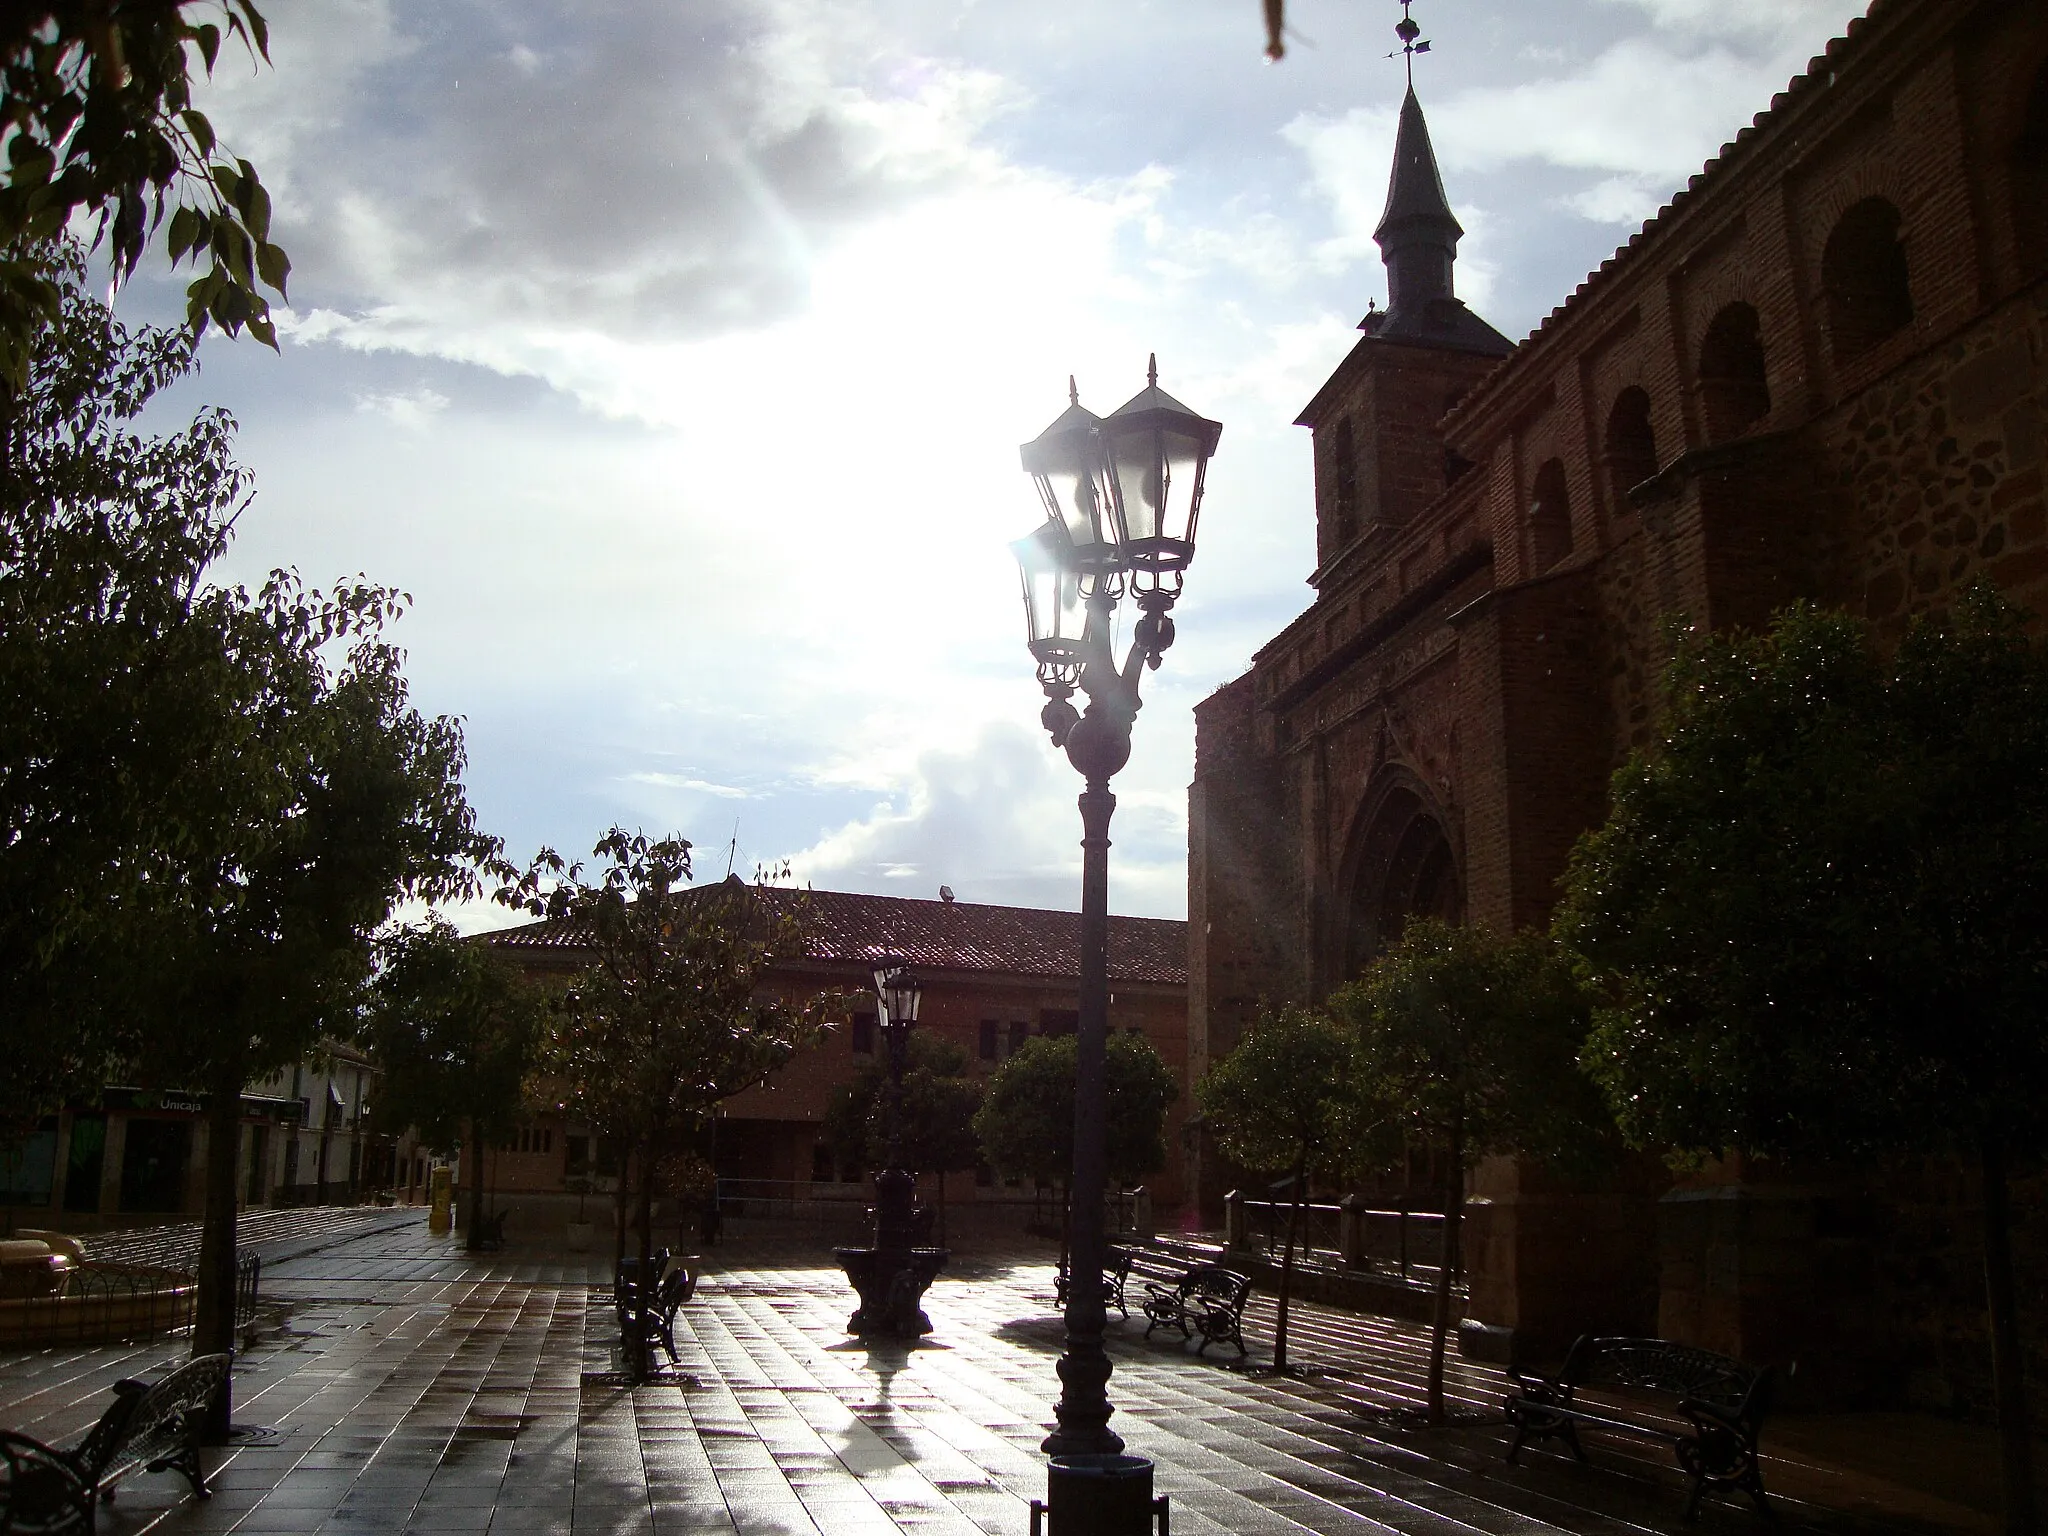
(674, 359)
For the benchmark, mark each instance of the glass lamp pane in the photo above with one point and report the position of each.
(1158, 452)
(1065, 462)
(1054, 614)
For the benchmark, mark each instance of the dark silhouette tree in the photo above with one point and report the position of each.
(1289, 1099)
(1026, 1119)
(454, 1030)
(672, 1016)
(1472, 1039)
(940, 1097)
(1818, 913)
(109, 639)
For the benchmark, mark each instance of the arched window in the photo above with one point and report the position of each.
(1732, 388)
(1631, 456)
(1550, 516)
(1863, 275)
(2030, 180)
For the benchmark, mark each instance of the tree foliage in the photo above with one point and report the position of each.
(454, 1030)
(1026, 1119)
(1818, 911)
(1472, 1040)
(1290, 1098)
(110, 655)
(940, 1097)
(671, 1016)
(96, 110)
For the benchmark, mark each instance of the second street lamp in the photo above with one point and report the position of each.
(892, 1273)
(1122, 495)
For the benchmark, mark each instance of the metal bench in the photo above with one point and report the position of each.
(1115, 1276)
(1208, 1300)
(657, 1315)
(1722, 1400)
(149, 1426)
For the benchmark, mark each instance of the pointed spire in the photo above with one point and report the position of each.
(1418, 234)
(1418, 239)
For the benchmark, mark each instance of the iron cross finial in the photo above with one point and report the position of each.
(1409, 30)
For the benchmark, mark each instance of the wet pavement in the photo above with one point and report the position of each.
(413, 1388)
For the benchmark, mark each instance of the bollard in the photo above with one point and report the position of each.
(1098, 1496)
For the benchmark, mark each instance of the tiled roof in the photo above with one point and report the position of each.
(1819, 75)
(944, 936)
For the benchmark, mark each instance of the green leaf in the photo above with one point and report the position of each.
(188, 230)
(273, 266)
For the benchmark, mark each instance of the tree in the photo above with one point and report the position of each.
(316, 800)
(671, 1017)
(1288, 1099)
(1472, 1040)
(96, 108)
(1026, 1119)
(454, 1030)
(109, 640)
(1818, 914)
(940, 1097)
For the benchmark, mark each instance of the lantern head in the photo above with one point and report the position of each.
(1157, 451)
(1065, 462)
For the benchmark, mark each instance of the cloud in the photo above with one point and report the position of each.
(644, 171)
(1642, 115)
(691, 786)
(1746, 20)
(996, 821)
(413, 409)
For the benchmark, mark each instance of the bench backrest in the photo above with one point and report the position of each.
(1693, 1375)
(1213, 1280)
(148, 1420)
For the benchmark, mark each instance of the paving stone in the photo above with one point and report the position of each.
(420, 1389)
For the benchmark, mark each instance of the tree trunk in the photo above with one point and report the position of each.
(1287, 1269)
(2009, 1384)
(473, 1231)
(619, 1198)
(1440, 1311)
(637, 1343)
(213, 1319)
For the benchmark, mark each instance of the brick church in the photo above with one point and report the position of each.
(1818, 372)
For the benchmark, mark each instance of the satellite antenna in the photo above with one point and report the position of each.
(946, 894)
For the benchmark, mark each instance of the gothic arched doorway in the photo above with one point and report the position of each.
(1402, 866)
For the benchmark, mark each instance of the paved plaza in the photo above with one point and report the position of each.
(414, 1388)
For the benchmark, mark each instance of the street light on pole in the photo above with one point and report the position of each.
(891, 1273)
(1122, 494)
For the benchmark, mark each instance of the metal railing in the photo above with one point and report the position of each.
(1402, 1243)
(97, 1302)
(248, 1275)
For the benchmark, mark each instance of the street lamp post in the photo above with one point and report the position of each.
(891, 1274)
(1121, 494)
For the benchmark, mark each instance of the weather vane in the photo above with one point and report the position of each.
(1408, 30)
